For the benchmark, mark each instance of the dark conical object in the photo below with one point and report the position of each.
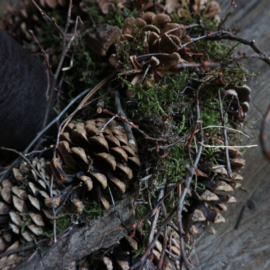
(23, 87)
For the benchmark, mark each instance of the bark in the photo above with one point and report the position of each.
(23, 87)
(100, 233)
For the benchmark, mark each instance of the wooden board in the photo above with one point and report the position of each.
(247, 247)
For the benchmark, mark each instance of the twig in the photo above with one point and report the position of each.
(229, 169)
(38, 152)
(152, 245)
(228, 147)
(65, 48)
(105, 125)
(190, 171)
(152, 212)
(240, 217)
(160, 263)
(120, 112)
(134, 126)
(232, 129)
(117, 214)
(46, 17)
(220, 35)
(155, 220)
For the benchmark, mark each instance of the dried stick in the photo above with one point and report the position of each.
(155, 220)
(105, 125)
(46, 17)
(63, 55)
(220, 35)
(65, 48)
(152, 245)
(190, 171)
(229, 169)
(134, 126)
(120, 112)
(160, 263)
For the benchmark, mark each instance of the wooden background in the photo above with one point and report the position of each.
(247, 247)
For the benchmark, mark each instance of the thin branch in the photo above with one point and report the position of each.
(190, 171)
(120, 112)
(52, 20)
(228, 147)
(134, 126)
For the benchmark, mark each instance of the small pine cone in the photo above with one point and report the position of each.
(209, 8)
(121, 256)
(93, 153)
(161, 35)
(21, 209)
(211, 196)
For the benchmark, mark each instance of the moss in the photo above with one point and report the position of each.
(141, 210)
(93, 210)
(159, 98)
(61, 224)
(210, 117)
(114, 17)
(138, 252)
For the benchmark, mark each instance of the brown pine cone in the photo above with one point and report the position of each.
(211, 196)
(93, 153)
(21, 209)
(160, 36)
(184, 10)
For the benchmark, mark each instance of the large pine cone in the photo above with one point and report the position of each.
(21, 209)
(94, 152)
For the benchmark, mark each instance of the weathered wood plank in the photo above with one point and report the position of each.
(248, 247)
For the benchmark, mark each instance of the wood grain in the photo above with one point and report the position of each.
(247, 247)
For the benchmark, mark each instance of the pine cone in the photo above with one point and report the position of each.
(93, 153)
(212, 193)
(18, 19)
(183, 9)
(160, 37)
(21, 205)
(122, 258)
